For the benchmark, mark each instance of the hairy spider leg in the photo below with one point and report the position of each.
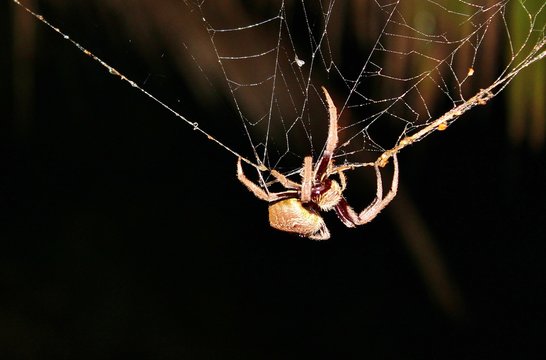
(324, 162)
(261, 193)
(346, 213)
(343, 211)
(351, 219)
(373, 210)
(286, 182)
(307, 182)
(332, 139)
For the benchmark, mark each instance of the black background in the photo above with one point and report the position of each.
(124, 232)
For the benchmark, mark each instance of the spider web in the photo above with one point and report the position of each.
(397, 71)
(413, 72)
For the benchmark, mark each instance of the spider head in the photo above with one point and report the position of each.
(327, 194)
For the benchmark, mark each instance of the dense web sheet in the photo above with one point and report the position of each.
(397, 71)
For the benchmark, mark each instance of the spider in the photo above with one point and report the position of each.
(296, 209)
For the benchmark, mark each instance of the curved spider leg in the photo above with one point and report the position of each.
(343, 210)
(331, 140)
(324, 162)
(350, 218)
(380, 203)
(258, 191)
(346, 213)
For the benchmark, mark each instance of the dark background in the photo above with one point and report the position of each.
(124, 232)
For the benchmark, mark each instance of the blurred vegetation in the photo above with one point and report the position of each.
(525, 96)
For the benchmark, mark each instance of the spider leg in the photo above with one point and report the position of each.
(257, 190)
(321, 168)
(343, 180)
(307, 179)
(380, 203)
(324, 162)
(286, 182)
(350, 218)
(331, 141)
(346, 213)
(343, 210)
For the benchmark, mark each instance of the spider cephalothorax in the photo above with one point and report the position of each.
(296, 209)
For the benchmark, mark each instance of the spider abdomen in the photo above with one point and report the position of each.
(291, 216)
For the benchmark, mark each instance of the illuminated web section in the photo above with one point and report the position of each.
(270, 64)
(408, 73)
(397, 70)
